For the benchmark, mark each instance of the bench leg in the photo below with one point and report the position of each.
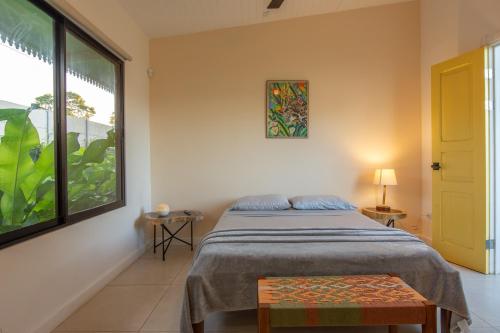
(445, 321)
(430, 321)
(199, 327)
(393, 329)
(263, 313)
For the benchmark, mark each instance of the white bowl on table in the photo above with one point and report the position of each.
(162, 209)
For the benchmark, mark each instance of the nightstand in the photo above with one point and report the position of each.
(181, 218)
(388, 218)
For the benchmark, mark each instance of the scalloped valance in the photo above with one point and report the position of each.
(30, 31)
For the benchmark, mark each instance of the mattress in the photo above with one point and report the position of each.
(244, 246)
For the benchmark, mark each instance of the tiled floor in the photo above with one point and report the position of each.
(147, 297)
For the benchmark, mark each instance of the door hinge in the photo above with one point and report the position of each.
(490, 244)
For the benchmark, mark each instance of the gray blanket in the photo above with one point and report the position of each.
(246, 245)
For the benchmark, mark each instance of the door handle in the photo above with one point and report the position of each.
(436, 166)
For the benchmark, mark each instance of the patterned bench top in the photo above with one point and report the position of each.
(337, 300)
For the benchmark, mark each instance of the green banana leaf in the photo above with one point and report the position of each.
(27, 179)
(91, 174)
(17, 145)
(42, 174)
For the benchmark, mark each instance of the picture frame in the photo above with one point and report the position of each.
(287, 109)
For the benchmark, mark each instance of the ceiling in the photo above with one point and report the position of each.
(161, 18)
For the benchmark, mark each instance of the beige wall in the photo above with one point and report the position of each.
(44, 279)
(448, 28)
(207, 100)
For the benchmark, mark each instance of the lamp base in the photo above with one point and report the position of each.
(383, 208)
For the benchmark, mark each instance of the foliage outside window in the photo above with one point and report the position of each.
(61, 155)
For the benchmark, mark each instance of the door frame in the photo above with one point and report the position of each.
(492, 77)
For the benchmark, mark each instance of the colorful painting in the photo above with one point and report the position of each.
(287, 109)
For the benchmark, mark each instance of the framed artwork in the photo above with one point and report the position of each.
(287, 109)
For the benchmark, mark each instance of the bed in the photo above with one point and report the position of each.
(246, 245)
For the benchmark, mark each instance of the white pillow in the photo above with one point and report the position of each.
(262, 202)
(321, 202)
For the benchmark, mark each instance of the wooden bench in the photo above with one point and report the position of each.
(358, 300)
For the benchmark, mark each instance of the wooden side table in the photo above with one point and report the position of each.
(186, 217)
(387, 218)
(356, 300)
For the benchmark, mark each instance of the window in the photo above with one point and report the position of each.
(90, 105)
(27, 169)
(61, 123)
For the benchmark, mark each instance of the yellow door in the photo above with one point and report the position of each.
(460, 166)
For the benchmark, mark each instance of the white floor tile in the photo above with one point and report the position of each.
(115, 308)
(175, 250)
(484, 330)
(180, 279)
(483, 298)
(156, 307)
(166, 315)
(152, 270)
(477, 322)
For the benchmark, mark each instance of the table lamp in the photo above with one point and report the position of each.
(384, 177)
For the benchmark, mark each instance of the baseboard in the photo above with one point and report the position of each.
(85, 295)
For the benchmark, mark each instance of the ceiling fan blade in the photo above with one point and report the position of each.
(275, 4)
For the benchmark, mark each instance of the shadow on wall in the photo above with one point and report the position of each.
(212, 215)
(143, 229)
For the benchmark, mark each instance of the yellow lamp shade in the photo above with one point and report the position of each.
(385, 177)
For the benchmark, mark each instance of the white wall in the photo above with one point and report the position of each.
(44, 279)
(208, 111)
(448, 28)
